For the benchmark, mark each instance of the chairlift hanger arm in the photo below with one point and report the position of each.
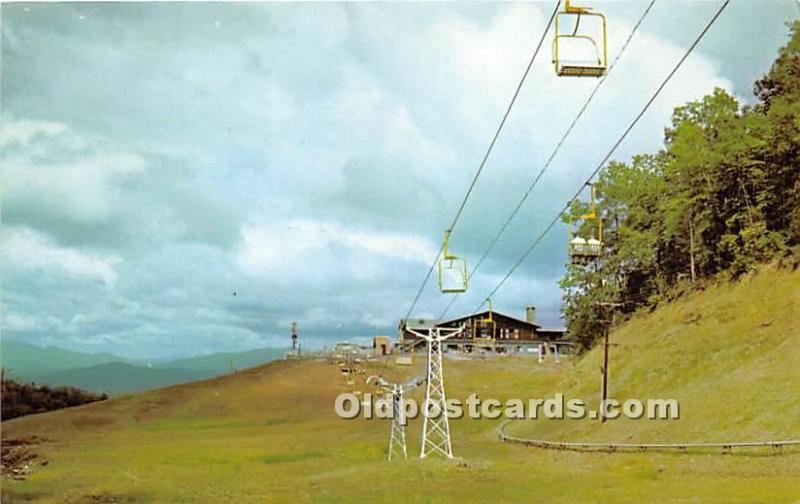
(572, 9)
(578, 248)
(490, 318)
(593, 213)
(414, 383)
(446, 248)
(379, 380)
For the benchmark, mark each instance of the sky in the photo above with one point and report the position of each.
(155, 158)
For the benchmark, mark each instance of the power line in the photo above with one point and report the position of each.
(485, 157)
(610, 152)
(557, 148)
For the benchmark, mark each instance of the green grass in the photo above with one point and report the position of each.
(288, 457)
(729, 355)
(270, 433)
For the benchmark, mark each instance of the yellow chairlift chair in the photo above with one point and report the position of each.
(480, 324)
(580, 249)
(584, 67)
(452, 270)
(484, 331)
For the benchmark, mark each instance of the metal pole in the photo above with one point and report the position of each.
(604, 390)
(604, 368)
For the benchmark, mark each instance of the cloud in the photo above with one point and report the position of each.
(21, 132)
(307, 156)
(30, 250)
(66, 185)
(20, 323)
(296, 249)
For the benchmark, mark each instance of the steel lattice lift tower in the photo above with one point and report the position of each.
(397, 435)
(435, 426)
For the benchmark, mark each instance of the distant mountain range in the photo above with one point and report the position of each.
(121, 377)
(222, 362)
(112, 374)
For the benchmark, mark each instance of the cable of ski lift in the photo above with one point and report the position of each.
(485, 157)
(553, 154)
(613, 149)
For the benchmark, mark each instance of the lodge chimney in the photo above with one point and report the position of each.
(530, 314)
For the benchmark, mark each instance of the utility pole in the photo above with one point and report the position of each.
(435, 426)
(604, 368)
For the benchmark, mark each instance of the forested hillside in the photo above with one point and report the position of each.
(21, 399)
(720, 197)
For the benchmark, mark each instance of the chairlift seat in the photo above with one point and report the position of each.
(580, 247)
(581, 250)
(577, 69)
(576, 246)
(453, 275)
(593, 247)
(581, 68)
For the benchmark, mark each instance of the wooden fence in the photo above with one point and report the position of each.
(777, 446)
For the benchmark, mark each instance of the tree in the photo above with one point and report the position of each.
(721, 196)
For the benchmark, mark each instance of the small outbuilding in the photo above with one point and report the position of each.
(381, 345)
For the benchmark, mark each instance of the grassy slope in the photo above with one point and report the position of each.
(730, 355)
(270, 433)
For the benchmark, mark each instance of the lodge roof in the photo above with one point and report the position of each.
(485, 314)
(419, 323)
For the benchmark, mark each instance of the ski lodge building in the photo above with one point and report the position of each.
(487, 331)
